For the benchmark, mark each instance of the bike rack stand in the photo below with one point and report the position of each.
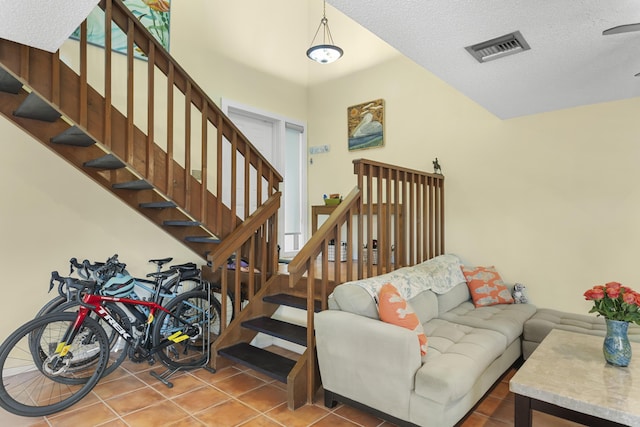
(206, 342)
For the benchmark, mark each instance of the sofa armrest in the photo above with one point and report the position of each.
(367, 360)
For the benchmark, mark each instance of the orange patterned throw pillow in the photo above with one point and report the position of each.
(486, 286)
(394, 309)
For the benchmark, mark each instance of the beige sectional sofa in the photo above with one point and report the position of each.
(377, 366)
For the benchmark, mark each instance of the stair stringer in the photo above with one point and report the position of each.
(234, 333)
(297, 382)
(77, 156)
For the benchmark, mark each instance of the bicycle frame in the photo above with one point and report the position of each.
(93, 303)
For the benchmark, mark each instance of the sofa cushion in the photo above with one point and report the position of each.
(353, 299)
(486, 286)
(453, 298)
(456, 357)
(545, 319)
(425, 305)
(396, 310)
(508, 319)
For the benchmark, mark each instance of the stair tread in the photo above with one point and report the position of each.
(108, 161)
(33, 107)
(8, 83)
(270, 364)
(182, 223)
(158, 205)
(139, 184)
(279, 329)
(202, 239)
(292, 301)
(73, 136)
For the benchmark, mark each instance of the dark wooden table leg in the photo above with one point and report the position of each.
(522, 411)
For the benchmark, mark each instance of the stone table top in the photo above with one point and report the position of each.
(568, 370)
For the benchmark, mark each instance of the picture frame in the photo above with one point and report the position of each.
(365, 125)
(153, 14)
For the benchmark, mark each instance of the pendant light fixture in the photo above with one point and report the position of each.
(326, 52)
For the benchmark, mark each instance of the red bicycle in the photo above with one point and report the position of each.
(53, 361)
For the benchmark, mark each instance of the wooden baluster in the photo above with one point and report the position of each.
(259, 175)
(237, 284)
(108, 96)
(247, 182)
(432, 214)
(187, 147)
(55, 78)
(252, 265)
(384, 247)
(311, 350)
(149, 151)
(224, 292)
(203, 167)
(129, 150)
(440, 218)
(83, 74)
(397, 240)
(24, 62)
(234, 180)
(422, 217)
(369, 222)
(170, 119)
(219, 176)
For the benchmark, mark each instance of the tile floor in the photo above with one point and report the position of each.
(234, 396)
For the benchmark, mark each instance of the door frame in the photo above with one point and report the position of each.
(280, 123)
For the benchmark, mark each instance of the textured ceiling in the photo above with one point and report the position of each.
(570, 62)
(42, 24)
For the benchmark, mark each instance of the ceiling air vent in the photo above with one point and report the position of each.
(497, 48)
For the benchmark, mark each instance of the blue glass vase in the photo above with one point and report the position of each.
(616, 347)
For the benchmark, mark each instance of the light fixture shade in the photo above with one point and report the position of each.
(324, 53)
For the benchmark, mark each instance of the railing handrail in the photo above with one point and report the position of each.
(245, 230)
(182, 79)
(367, 162)
(299, 265)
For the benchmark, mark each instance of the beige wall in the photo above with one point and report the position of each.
(551, 200)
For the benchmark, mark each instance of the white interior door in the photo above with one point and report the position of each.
(283, 143)
(262, 134)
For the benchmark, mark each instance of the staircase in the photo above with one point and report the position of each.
(235, 343)
(148, 166)
(270, 363)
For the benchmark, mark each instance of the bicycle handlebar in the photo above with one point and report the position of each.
(71, 282)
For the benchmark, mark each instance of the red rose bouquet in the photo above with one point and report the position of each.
(615, 302)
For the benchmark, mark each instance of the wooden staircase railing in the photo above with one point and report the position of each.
(148, 126)
(401, 209)
(258, 232)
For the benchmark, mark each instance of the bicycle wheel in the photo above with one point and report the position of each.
(197, 284)
(192, 324)
(216, 288)
(52, 305)
(118, 346)
(33, 387)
